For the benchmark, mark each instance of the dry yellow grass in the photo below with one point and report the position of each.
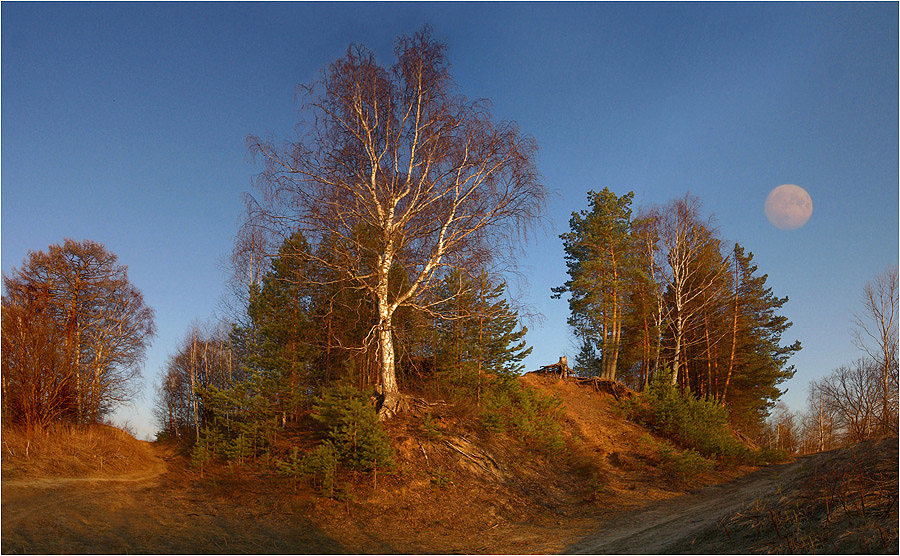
(455, 490)
(70, 451)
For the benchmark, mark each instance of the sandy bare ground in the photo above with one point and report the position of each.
(720, 518)
(667, 523)
(151, 511)
(163, 507)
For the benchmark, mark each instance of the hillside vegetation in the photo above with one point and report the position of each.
(451, 476)
(454, 487)
(71, 451)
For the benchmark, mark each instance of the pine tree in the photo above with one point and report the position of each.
(483, 338)
(280, 338)
(601, 261)
(759, 361)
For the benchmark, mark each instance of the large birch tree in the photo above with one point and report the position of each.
(683, 240)
(396, 170)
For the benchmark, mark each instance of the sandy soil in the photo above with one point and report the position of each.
(734, 517)
(664, 524)
(441, 503)
(161, 510)
(493, 500)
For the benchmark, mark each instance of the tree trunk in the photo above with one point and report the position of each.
(391, 398)
(617, 319)
(194, 388)
(734, 326)
(676, 362)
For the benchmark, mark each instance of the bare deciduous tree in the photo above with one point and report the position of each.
(38, 381)
(852, 395)
(396, 170)
(818, 423)
(783, 433)
(203, 359)
(684, 239)
(876, 333)
(95, 314)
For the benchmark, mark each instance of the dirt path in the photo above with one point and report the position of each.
(155, 510)
(657, 528)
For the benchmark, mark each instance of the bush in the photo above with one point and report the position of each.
(353, 429)
(694, 423)
(515, 409)
(353, 439)
(240, 448)
(430, 428)
(684, 465)
(242, 425)
(765, 456)
(320, 465)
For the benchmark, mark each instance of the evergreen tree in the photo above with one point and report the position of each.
(601, 260)
(279, 341)
(353, 429)
(482, 339)
(343, 317)
(587, 362)
(757, 362)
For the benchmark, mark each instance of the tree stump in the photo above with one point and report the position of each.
(560, 368)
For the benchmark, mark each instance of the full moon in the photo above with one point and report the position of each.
(788, 206)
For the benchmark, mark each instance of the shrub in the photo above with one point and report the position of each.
(353, 429)
(242, 425)
(240, 448)
(513, 408)
(695, 423)
(353, 439)
(430, 428)
(684, 465)
(765, 456)
(206, 448)
(597, 486)
(320, 465)
(441, 479)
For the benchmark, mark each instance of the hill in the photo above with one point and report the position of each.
(456, 489)
(70, 451)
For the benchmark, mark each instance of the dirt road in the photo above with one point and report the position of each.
(839, 501)
(657, 528)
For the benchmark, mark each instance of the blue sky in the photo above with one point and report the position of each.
(126, 124)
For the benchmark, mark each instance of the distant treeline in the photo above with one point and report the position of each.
(858, 400)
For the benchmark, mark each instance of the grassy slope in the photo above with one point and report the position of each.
(70, 451)
(844, 501)
(457, 489)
